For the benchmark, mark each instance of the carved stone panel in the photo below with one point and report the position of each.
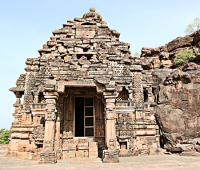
(28, 97)
(99, 128)
(138, 90)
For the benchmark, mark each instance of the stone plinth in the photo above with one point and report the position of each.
(110, 156)
(48, 157)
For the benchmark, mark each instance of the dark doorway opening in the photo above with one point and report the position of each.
(145, 92)
(79, 116)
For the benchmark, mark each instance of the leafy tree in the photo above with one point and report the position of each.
(4, 135)
(193, 27)
(183, 57)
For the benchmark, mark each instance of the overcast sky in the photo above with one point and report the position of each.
(25, 25)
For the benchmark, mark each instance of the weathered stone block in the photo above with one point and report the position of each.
(67, 58)
(110, 105)
(69, 154)
(93, 154)
(22, 144)
(62, 50)
(110, 156)
(22, 155)
(110, 100)
(82, 154)
(48, 157)
(69, 147)
(93, 147)
(110, 114)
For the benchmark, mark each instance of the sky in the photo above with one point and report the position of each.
(25, 25)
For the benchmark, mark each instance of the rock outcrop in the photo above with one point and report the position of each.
(163, 56)
(176, 93)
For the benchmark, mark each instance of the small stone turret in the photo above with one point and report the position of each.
(92, 15)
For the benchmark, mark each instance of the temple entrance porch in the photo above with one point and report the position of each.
(82, 126)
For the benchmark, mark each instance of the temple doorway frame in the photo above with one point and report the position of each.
(88, 115)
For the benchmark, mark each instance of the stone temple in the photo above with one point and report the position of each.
(86, 96)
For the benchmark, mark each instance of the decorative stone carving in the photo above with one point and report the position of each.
(67, 135)
(122, 70)
(38, 133)
(100, 128)
(138, 92)
(68, 126)
(28, 97)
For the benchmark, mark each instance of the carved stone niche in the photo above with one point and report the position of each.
(124, 142)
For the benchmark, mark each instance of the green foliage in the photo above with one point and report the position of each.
(183, 57)
(193, 27)
(4, 135)
(136, 54)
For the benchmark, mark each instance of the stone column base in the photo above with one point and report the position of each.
(58, 154)
(48, 157)
(110, 156)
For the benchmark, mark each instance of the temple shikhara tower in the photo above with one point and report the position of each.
(84, 96)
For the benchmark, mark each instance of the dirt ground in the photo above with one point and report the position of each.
(147, 162)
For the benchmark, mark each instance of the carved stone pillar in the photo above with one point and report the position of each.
(150, 94)
(61, 103)
(110, 124)
(14, 139)
(48, 155)
(28, 97)
(57, 143)
(18, 97)
(26, 119)
(111, 154)
(57, 133)
(138, 96)
(138, 90)
(36, 96)
(18, 107)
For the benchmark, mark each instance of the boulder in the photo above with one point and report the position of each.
(175, 150)
(179, 42)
